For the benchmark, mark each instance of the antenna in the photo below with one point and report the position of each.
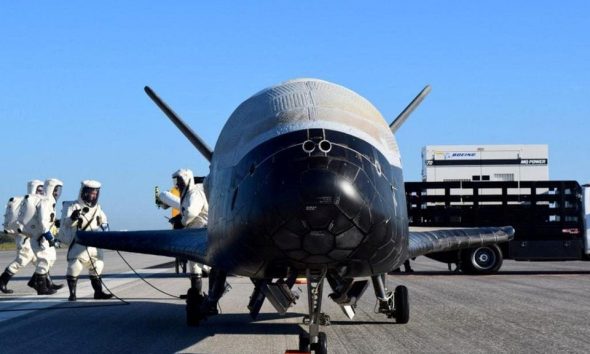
(181, 125)
(394, 126)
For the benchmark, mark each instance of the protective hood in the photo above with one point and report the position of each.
(186, 176)
(52, 188)
(33, 185)
(87, 196)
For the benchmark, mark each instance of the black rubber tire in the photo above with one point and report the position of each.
(321, 346)
(401, 305)
(482, 260)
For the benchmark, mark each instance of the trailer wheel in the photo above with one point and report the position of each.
(482, 260)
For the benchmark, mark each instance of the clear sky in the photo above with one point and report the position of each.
(72, 74)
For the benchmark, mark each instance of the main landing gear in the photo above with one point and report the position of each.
(199, 306)
(392, 304)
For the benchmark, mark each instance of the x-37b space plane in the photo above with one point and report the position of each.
(305, 181)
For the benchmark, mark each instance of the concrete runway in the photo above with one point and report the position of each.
(526, 308)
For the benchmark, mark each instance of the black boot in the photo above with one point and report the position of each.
(41, 285)
(33, 281)
(97, 286)
(194, 298)
(4, 279)
(72, 281)
(51, 284)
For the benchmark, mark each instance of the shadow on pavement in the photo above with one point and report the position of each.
(142, 327)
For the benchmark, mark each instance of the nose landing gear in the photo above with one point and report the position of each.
(315, 340)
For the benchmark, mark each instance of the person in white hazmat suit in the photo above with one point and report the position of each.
(84, 214)
(194, 211)
(35, 220)
(24, 252)
(165, 200)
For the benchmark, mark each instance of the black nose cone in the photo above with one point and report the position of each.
(320, 200)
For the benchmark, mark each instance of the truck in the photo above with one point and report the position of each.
(551, 219)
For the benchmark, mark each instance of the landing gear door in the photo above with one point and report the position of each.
(587, 218)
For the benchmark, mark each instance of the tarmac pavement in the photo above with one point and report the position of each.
(527, 307)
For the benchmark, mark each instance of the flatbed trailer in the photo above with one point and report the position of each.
(549, 218)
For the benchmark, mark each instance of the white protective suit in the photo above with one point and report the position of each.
(91, 218)
(35, 220)
(193, 207)
(24, 252)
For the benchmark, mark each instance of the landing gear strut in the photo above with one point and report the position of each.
(392, 304)
(199, 306)
(315, 340)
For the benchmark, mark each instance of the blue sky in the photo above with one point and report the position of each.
(72, 74)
